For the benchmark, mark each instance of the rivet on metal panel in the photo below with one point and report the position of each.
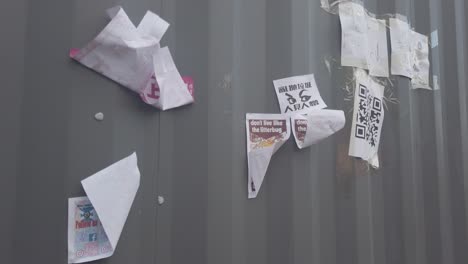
(99, 116)
(160, 200)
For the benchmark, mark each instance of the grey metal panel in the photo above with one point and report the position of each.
(316, 205)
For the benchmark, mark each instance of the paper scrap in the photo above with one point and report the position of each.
(400, 34)
(420, 60)
(132, 57)
(111, 192)
(377, 55)
(266, 133)
(368, 116)
(354, 42)
(435, 80)
(316, 125)
(298, 94)
(434, 39)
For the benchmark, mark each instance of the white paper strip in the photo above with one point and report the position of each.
(354, 42)
(298, 94)
(111, 192)
(152, 25)
(434, 39)
(368, 116)
(420, 59)
(377, 58)
(316, 125)
(266, 133)
(400, 34)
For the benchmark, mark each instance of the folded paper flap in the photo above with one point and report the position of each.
(153, 25)
(112, 191)
(173, 90)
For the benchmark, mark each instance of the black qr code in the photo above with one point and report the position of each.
(369, 116)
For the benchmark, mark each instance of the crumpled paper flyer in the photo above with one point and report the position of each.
(132, 57)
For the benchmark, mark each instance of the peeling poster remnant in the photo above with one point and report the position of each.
(266, 133)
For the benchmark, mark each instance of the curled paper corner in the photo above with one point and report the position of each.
(266, 133)
(316, 125)
(111, 193)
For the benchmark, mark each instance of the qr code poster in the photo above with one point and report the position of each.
(298, 95)
(87, 239)
(368, 116)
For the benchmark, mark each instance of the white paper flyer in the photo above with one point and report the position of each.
(368, 116)
(400, 34)
(316, 125)
(95, 222)
(266, 133)
(298, 94)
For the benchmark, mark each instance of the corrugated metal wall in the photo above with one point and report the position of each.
(316, 206)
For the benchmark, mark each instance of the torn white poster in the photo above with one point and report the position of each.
(298, 94)
(354, 43)
(420, 59)
(129, 55)
(377, 56)
(266, 133)
(400, 34)
(316, 125)
(368, 116)
(111, 192)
